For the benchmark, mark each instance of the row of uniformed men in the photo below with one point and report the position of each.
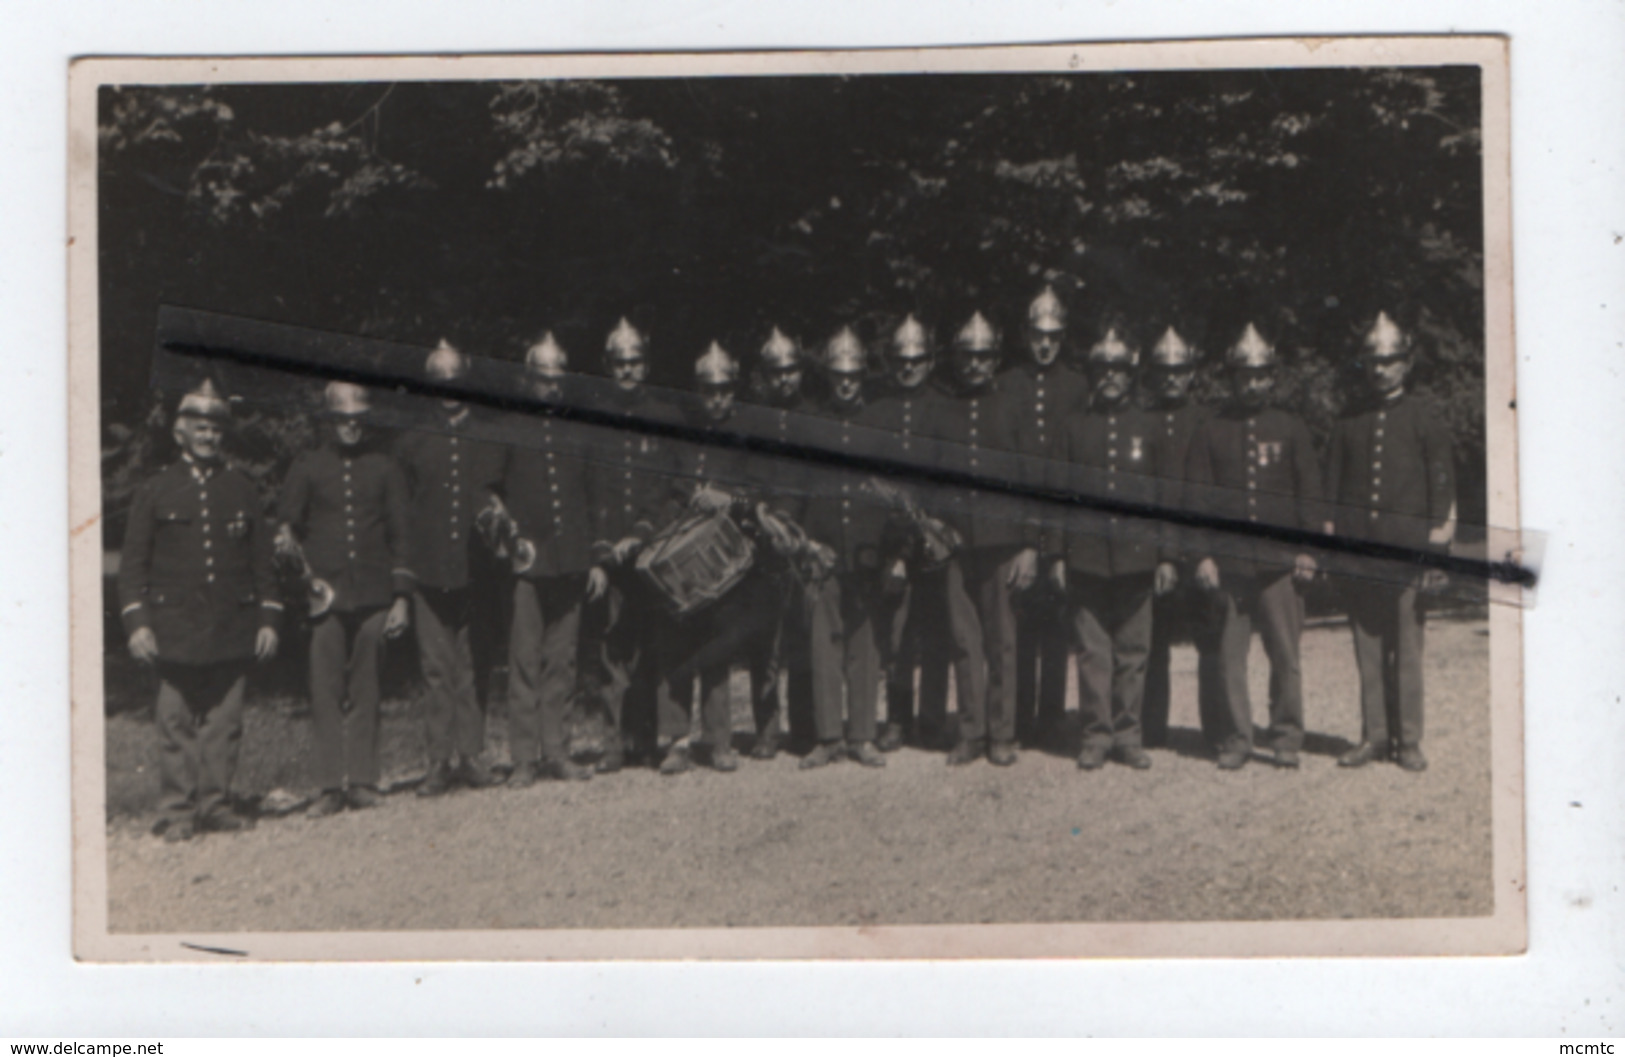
(391, 533)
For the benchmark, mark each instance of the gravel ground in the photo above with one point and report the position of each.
(913, 843)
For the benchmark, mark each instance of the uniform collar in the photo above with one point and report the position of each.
(202, 471)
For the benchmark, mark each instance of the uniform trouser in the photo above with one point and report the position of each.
(1111, 621)
(1041, 652)
(200, 726)
(706, 644)
(618, 635)
(344, 668)
(990, 711)
(916, 632)
(542, 643)
(787, 651)
(453, 722)
(845, 650)
(1271, 603)
(1183, 612)
(1388, 620)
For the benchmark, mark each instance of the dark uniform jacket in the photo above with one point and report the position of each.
(447, 475)
(196, 566)
(348, 509)
(782, 480)
(976, 433)
(634, 474)
(1044, 399)
(549, 489)
(841, 512)
(1258, 467)
(899, 416)
(1176, 426)
(1391, 473)
(1119, 455)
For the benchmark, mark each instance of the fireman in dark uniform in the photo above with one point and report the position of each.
(1180, 612)
(447, 474)
(198, 600)
(913, 614)
(712, 476)
(343, 507)
(1253, 462)
(843, 606)
(778, 391)
(545, 488)
(1044, 392)
(631, 482)
(998, 559)
(1111, 565)
(1391, 475)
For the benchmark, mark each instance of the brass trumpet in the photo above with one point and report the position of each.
(500, 532)
(318, 592)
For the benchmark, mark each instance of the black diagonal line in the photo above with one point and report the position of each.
(466, 390)
(214, 950)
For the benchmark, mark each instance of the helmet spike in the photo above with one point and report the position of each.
(1251, 350)
(1172, 351)
(844, 354)
(547, 357)
(1046, 311)
(977, 335)
(716, 367)
(1385, 340)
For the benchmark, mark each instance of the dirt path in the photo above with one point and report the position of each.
(913, 843)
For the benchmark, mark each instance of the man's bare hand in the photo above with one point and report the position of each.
(397, 620)
(597, 583)
(1057, 575)
(144, 645)
(1165, 579)
(1024, 570)
(624, 550)
(265, 644)
(1442, 535)
(1434, 580)
(1207, 574)
(283, 542)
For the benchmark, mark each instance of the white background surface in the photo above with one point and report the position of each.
(1568, 181)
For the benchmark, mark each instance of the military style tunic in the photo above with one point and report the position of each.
(349, 509)
(1258, 467)
(550, 491)
(1118, 454)
(196, 566)
(635, 475)
(447, 474)
(976, 433)
(1391, 473)
(839, 511)
(1044, 399)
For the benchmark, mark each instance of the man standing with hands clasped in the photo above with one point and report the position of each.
(1256, 463)
(198, 600)
(1392, 478)
(343, 507)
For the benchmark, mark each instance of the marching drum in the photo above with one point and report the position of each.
(696, 561)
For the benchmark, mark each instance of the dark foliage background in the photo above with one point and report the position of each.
(714, 208)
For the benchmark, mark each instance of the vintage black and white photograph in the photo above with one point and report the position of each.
(1042, 501)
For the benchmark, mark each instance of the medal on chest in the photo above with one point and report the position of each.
(1136, 449)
